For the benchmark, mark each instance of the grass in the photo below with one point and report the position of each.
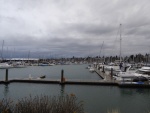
(43, 104)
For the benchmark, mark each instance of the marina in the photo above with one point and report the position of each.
(87, 86)
(72, 56)
(106, 79)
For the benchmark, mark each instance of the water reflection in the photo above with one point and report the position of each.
(126, 92)
(130, 91)
(62, 90)
(6, 90)
(143, 91)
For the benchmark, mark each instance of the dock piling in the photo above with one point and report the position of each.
(62, 76)
(111, 73)
(6, 76)
(103, 70)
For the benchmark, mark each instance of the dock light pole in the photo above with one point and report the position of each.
(6, 77)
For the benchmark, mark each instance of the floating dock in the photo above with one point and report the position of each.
(107, 80)
(77, 82)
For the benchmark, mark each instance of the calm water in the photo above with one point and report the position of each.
(97, 99)
(51, 72)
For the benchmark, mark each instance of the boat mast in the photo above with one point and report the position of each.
(101, 49)
(103, 52)
(28, 56)
(2, 50)
(120, 42)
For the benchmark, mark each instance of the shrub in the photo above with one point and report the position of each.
(43, 104)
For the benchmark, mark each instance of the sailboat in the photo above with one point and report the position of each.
(2, 51)
(4, 65)
(113, 65)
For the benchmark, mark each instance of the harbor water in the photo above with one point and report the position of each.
(96, 99)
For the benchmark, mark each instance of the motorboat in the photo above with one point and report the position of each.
(51, 64)
(91, 69)
(143, 72)
(42, 76)
(112, 66)
(140, 79)
(5, 66)
(18, 65)
(109, 67)
(89, 66)
(44, 64)
(125, 70)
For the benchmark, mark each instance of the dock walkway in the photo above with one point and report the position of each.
(107, 80)
(77, 82)
(104, 75)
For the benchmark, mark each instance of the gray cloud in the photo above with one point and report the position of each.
(74, 27)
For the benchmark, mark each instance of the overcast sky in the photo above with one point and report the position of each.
(65, 28)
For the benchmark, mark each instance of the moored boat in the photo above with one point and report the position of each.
(91, 69)
(143, 72)
(5, 66)
(43, 76)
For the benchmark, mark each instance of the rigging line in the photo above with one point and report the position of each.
(101, 48)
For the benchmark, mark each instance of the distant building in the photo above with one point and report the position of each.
(23, 59)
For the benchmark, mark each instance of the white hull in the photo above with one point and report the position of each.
(5, 66)
(91, 69)
(130, 75)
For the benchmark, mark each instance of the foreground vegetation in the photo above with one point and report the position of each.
(45, 104)
(42, 104)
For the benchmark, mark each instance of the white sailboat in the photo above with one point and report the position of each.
(4, 65)
(113, 65)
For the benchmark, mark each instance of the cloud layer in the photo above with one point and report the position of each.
(74, 27)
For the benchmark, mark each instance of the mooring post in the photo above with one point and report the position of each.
(62, 76)
(6, 76)
(103, 70)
